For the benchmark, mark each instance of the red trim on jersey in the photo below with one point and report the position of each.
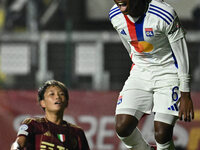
(132, 33)
(132, 66)
(131, 56)
(131, 29)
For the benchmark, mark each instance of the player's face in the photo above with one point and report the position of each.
(135, 8)
(123, 5)
(54, 99)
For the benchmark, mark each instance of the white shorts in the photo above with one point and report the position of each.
(149, 96)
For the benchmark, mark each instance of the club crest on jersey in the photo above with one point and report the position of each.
(149, 32)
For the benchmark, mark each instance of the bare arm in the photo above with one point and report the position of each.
(19, 143)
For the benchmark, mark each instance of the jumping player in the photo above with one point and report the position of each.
(159, 77)
(51, 132)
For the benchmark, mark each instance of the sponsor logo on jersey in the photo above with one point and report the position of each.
(123, 32)
(142, 46)
(119, 100)
(23, 127)
(173, 107)
(48, 133)
(149, 32)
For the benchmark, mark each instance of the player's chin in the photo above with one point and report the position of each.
(57, 111)
(59, 108)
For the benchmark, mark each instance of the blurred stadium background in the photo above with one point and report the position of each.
(74, 42)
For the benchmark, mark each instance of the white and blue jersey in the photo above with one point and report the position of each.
(155, 43)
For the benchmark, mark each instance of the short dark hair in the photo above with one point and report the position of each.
(49, 83)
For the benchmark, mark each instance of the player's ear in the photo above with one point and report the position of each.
(42, 104)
